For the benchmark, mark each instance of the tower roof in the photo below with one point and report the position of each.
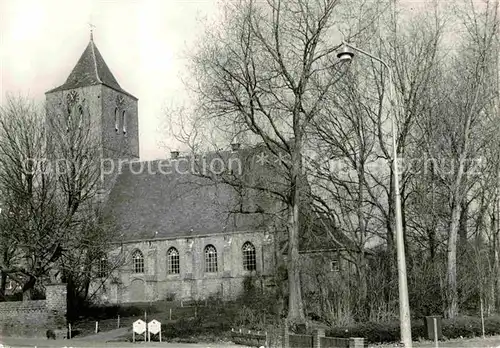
(91, 70)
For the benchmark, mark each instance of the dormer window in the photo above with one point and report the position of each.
(124, 121)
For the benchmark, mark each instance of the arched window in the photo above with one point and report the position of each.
(124, 121)
(102, 267)
(210, 259)
(172, 261)
(116, 120)
(138, 259)
(249, 259)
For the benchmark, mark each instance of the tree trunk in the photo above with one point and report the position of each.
(295, 305)
(390, 271)
(431, 234)
(495, 288)
(451, 286)
(3, 284)
(463, 225)
(493, 278)
(362, 310)
(28, 289)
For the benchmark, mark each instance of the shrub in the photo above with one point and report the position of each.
(112, 311)
(389, 332)
(256, 309)
(470, 327)
(170, 296)
(181, 329)
(375, 332)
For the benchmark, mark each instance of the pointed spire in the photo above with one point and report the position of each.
(90, 70)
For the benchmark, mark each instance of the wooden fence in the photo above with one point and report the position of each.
(287, 340)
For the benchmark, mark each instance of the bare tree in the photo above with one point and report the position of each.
(49, 176)
(456, 127)
(265, 72)
(29, 193)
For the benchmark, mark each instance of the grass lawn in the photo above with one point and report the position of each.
(212, 323)
(41, 343)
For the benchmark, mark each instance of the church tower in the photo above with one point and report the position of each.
(112, 111)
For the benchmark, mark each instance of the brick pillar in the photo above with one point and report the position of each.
(285, 338)
(356, 342)
(56, 302)
(317, 334)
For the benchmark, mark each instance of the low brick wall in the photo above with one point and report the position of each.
(34, 318)
(23, 318)
(300, 341)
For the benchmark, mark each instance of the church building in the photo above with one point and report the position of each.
(177, 234)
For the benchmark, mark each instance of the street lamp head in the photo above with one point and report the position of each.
(345, 54)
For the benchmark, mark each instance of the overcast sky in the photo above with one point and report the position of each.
(143, 42)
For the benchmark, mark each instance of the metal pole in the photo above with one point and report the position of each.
(404, 305)
(435, 332)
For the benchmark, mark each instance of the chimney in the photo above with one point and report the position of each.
(174, 154)
(235, 146)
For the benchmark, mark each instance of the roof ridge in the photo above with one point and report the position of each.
(94, 58)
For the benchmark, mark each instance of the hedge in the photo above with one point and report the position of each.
(389, 332)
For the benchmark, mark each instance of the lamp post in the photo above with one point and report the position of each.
(346, 54)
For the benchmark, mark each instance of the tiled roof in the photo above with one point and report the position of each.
(90, 70)
(145, 204)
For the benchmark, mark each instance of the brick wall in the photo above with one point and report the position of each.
(119, 145)
(100, 104)
(192, 282)
(56, 304)
(34, 318)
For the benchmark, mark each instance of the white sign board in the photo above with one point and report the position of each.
(139, 327)
(154, 327)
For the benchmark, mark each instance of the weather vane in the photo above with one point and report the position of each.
(91, 26)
